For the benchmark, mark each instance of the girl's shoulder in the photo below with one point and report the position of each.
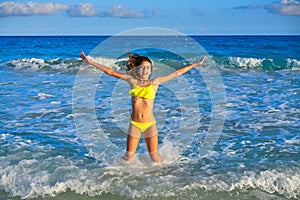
(155, 81)
(131, 80)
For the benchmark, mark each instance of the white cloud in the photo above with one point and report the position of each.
(285, 7)
(89, 10)
(123, 12)
(83, 10)
(10, 8)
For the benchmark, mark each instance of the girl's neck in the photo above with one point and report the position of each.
(143, 80)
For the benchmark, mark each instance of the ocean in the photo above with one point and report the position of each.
(228, 130)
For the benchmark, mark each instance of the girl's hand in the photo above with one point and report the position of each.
(200, 63)
(84, 57)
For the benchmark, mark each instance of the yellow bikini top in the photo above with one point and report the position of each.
(143, 92)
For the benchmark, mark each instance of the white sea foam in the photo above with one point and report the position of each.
(292, 141)
(294, 64)
(40, 177)
(110, 62)
(3, 136)
(33, 63)
(261, 63)
(37, 64)
(246, 62)
(42, 96)
(60, 64)
(55, 102)
(285, 182)
(138, 179)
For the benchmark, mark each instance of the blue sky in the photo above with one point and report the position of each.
(103, 17)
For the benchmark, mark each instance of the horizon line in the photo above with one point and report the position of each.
(54, 35)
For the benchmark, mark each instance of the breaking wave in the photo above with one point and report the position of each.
(72, 65)
(257, 63)
(49, 177)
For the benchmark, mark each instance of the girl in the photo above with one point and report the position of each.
(143, 91)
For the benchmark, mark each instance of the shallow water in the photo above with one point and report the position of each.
(46, 153)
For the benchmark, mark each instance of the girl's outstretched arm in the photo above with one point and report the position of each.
(179, 72)
(103, 68)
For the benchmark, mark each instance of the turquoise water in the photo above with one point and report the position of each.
(47, 154)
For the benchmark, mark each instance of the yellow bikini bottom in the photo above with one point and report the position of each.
(142, 126)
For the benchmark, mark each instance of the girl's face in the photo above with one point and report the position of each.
(144, 70)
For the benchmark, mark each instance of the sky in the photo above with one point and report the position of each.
(108, 17)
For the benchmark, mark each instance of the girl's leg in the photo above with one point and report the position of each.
(133, 139)
(151, 137)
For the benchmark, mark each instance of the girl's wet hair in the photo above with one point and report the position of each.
(136, 60)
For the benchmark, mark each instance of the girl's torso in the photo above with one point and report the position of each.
(143, 101)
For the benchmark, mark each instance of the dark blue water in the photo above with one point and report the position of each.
(63, 124)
